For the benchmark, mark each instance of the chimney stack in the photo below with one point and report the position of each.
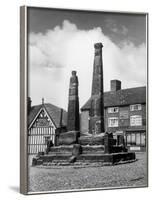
(115, 85)
(96, 123)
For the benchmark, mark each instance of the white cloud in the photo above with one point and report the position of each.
(113, 26)
(54, 54)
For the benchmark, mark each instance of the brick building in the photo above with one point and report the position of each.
(124, 114)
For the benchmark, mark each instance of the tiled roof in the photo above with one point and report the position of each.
(121, 97)
(53, 111)
(33, 112)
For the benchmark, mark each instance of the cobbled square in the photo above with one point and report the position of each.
(74, 178)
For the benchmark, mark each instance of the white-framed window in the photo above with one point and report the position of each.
(113, 122)
(143, 139)
(135, 107)
(136, 139)
(136, 120)
(113, 110)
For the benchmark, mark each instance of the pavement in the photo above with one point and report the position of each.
(54, 178)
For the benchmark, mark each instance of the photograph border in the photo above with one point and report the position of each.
(24, 92)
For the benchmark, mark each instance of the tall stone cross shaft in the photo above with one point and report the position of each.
(73, 123)
(96, 123)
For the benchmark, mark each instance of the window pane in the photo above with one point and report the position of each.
(113, 122)
(138, 138)
(143, 139)
(135, 107)
(128, 139)
(113, 110)
(133, 139)
(136, 120)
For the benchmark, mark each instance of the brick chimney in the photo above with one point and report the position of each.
(115, 85)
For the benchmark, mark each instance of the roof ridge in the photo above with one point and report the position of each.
(126, 89)
(48, 104)
(121, 97)
(55, 106)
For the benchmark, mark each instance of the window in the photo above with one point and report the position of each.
(143, 139)
(128, 139)
(136, 120)
(138, 138)
(113, 110)
(135, 107)
(135, 139)
(113, 122)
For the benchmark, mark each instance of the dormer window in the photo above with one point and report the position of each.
(113, 110)
(135, 107)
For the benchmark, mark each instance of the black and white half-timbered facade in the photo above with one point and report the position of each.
(43, 120)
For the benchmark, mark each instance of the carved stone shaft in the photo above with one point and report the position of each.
(73, 123)
(96, 123)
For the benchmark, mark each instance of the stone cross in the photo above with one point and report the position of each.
(73, 123)
(97, 108)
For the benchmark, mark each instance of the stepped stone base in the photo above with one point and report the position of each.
(85, 149)
(107, 158)
(67, 155)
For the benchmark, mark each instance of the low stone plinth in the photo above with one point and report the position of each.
(113, 158)
(95, 149)
(106, 159)
(60, 158)
(64, 149)
(91, 140)
(68, 138)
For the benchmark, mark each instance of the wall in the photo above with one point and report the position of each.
(125, 123)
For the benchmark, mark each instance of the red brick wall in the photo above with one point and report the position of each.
(123, 123)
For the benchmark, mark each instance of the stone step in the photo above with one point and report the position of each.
(91, 149)
(107, 158)
(95, 153)
(56, 162)
(62, 159)
(50, 158)
(63, 149)
(60, 153)
(91, 157)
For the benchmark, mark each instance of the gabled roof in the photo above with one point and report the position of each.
(121, 97)
(53, 111)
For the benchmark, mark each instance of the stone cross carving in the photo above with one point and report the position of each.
(97, 108)
(73, 104)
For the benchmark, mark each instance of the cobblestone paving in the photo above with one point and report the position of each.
(66, 178)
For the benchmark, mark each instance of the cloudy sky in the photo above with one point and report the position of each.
(60, 41)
